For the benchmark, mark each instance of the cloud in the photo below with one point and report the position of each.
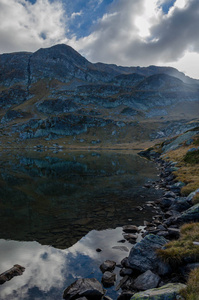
(161, 38)
(26, 26)
(76, 14)
(138, 32)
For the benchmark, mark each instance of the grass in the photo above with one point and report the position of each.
(192, 157)
(187, 162)
(195, 199)
(192, 290)
(176, 251)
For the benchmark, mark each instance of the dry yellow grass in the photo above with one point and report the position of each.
(176, 251)
(187, 172)
(192, 290)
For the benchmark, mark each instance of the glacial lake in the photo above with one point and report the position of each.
(56, 209)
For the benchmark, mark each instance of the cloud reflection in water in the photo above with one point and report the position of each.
(49, 270)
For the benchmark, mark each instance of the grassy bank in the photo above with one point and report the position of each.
(186, 156)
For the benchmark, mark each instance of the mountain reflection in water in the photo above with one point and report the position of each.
(58, 201)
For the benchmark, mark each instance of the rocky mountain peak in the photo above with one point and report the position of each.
(55, 93)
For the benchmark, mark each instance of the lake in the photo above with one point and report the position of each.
(57, 208)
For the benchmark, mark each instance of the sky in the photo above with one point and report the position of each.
(122, 32)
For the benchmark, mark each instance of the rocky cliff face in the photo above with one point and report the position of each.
(56, 93)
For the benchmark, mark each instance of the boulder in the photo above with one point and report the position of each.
(84, 287)
(166, 292)
(16, 270)
(143, 255)
(108, 279)
(191, 214)
(130, 228)
(125, 295)
(191, 195)
(166, 202)
(121, 248)
(126, 271)
(130, 236)
(108, 265)
(180, 204)
(147, 280)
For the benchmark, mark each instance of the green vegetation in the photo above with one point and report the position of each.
(195, 199)
(192, 157)
(187, 163)
(176, 251)
(192, 290)
(196, 142)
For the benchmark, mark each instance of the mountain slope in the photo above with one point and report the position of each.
(56, 94)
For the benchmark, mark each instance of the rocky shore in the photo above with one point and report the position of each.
(146, 273)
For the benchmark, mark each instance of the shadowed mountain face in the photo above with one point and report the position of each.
(56, 94)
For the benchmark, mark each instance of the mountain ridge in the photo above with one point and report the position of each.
(55, 93)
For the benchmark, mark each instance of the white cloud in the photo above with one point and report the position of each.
(130, 33)
(136, 33)
(26, 26)
(76, 14)
(187, 64)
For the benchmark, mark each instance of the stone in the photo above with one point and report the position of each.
(174, 232)
(125, 263)
(180, 204)
(108, 265)
(16, 270)
(130, 228)
(84, 287)
(191, 195)
(169, 195)
(122, 282)
(107, 298)
(108, 279)
(147, 280)
(166, 202)
(121, 248)
(185, 270)
(143, 255)
(125, 295)
(130, 236)
(166, 292)
(163, 233)
(191, 214)
(126, 271)
(161, 227)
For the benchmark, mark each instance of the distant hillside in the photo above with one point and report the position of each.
(55, 95)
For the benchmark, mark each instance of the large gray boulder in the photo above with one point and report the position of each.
(143, 255)
(147, 280)
(166, 292)
(84, 287)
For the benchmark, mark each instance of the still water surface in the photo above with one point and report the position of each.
(57, 209)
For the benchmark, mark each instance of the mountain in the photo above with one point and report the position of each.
(55, 96)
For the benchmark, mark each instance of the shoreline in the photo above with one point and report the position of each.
(144, 272)
(167, 225)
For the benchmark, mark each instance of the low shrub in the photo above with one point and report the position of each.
(192, 157)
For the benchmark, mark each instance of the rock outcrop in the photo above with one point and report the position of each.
(166, 292)
(132, 102)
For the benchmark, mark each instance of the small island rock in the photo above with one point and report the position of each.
(84, 287)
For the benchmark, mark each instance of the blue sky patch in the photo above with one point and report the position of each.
(167, 5)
